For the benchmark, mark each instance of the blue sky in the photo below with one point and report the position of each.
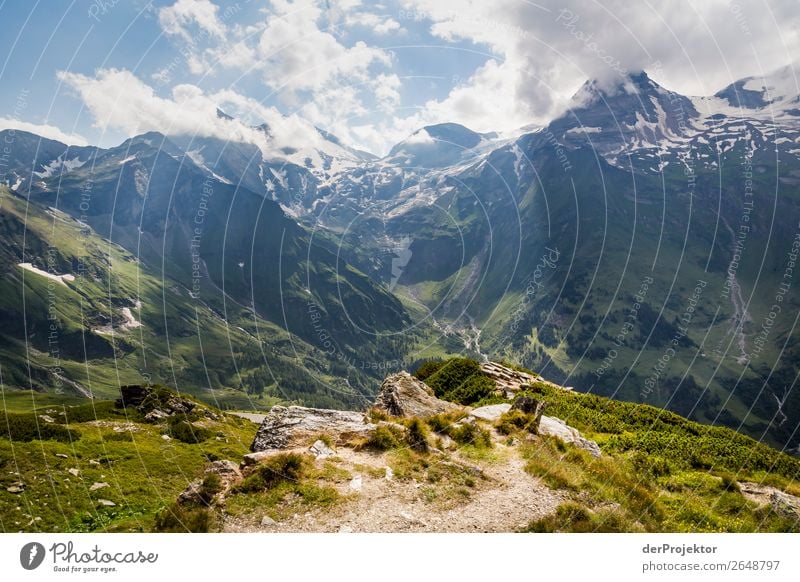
(371, 72)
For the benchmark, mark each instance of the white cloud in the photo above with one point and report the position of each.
(297, 55)
(47, 131)
(377, 23)
(119, 100)
(177, 18)
(545, 50)
(420, 137)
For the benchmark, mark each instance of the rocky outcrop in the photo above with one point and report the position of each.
(510, 381)
(157, 403)
(551, 426)
(403, 395)
(296, 426)
(780, 502)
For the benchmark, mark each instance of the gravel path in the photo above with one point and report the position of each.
(505, 502)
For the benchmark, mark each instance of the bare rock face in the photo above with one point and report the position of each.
(296, 426)
(779, 501)
(507, 380)
(552, 426)
(510, 381)
(403, 395)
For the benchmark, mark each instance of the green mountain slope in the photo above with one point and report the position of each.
(120, 321)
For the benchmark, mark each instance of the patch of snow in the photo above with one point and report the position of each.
(584, 130)
(62, 279)
(51, 169)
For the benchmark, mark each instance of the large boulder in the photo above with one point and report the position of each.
(552, 426)
(296, 426)
(403, 395)
(491, 412)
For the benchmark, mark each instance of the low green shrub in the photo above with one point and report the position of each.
(281, 468)
(474, 389)
(417, 436)
(575, 518)
(189, 433)
(25, 427)
(182, 519)
(515, 421)
(211, 485)
(471, 434)
(383, 438)
(427, 369)
(452, 374)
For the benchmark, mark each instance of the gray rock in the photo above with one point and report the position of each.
(491, 412)
(321, 451)
(551, 426)
(16, 488)
(46, 418)
(267, 521)
(74, 472)
(356, 483)
(785, 505)
(106, 503)
(96, 486)
(62, 456)
(403, 395)
(251, 459)
(226, 469)
(296, 426)
(155, 416)
(192, 493)
(507, 380)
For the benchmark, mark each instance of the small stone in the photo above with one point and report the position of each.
(166, 437)
(106, 503)
(62, 456)
(356, 483)
(15, 489)
(96, 486)
(94, 463)
(345, 529)
(256, 458)
(321, 451)
(74, 472)
(389, 474)
(268, 521)
(155, 415)
(47, 419)
(411, 519)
